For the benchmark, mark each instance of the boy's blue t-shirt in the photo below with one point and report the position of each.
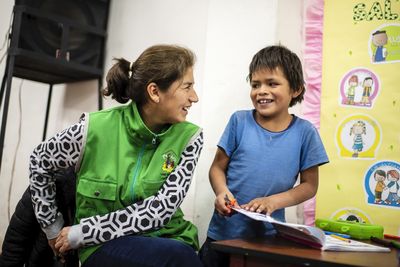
(263, 163)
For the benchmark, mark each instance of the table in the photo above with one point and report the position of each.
(276, 251)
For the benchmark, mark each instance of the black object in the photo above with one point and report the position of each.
(24, 243)
(53, 42)
(58, 41)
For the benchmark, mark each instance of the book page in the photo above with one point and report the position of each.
(255, 215)
(308, 235)
(335, 244)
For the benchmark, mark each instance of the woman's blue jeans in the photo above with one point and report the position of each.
(140, 251)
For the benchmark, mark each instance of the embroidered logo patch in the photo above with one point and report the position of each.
(169, 161)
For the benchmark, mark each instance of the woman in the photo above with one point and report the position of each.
(134, 165)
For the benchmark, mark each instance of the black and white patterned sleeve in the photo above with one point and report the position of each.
(151, 213)
(59, 152)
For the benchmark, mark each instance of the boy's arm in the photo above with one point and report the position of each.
(217, 175)
(305, 190)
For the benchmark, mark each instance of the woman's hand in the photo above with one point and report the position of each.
(52, 243)
(62, 244)
(59, 256)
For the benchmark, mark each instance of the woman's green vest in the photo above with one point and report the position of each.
(124, 162)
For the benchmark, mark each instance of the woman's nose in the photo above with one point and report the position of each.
(193, 97)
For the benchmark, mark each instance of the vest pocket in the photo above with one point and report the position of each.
(97, 189)
(95, 197)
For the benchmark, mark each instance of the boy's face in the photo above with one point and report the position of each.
(271, 94)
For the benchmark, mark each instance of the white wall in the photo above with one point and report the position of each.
(224, 34)
(236, 31)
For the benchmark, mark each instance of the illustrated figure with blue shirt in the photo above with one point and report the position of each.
(379, 39)
(358, 129)
(393, 185)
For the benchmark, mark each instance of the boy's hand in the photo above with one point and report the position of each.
(221, 204)
(265, 205)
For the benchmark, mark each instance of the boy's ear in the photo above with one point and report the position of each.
(153, 92)
(298, 92)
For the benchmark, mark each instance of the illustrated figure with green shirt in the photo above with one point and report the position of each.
(134, 164)
(351, 90)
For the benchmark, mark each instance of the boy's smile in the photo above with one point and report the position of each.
(271, 96)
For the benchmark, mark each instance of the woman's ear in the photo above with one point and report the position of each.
(153, 92)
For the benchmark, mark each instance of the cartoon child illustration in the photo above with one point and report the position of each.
(380, 177)
(353, 82)
(358, 129)
(393, 178)
(367, 88)
(379, 39)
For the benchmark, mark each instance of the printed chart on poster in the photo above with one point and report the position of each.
(360, 111)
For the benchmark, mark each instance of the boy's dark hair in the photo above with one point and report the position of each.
(278, 56)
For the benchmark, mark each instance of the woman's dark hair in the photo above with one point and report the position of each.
(161, 64)
(278, 56)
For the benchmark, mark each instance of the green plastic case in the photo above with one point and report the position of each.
(353, 229)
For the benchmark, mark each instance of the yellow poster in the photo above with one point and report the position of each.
(360, 113)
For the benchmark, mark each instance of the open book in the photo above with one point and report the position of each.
(312, 236)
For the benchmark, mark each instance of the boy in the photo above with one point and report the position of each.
(261, 153)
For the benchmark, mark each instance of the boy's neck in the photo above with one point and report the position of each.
(273, 124)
